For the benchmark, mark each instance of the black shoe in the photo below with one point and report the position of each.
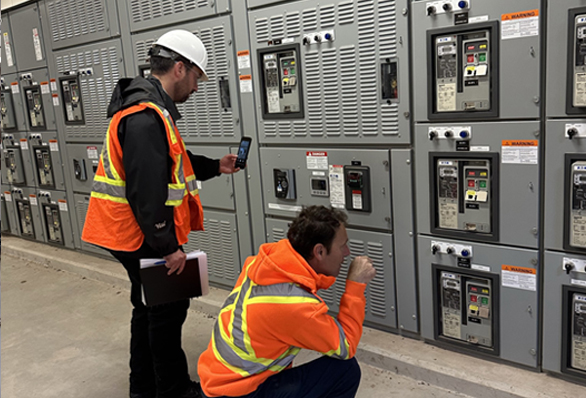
(150, 394)
(193, 391)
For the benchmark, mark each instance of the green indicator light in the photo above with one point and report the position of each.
(482, 57)
(292, 71)
(485, 301)
(482, 184)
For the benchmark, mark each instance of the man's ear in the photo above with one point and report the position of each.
(319, 251)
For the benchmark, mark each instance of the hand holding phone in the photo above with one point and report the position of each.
(243, 150)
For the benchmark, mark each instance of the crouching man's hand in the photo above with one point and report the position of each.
(361, 270)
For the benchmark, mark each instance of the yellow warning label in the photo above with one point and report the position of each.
(520, 143)
(520, 15)
(521, 270)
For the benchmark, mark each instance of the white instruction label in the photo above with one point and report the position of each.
(53, 146)
(520, 151)
(580, 89)
(578, 282)
(273, 99)
(24, 144)
(480, 267)
(37, 43)
(15, 88)
(53, 85)
(276, 206)
(446, 97)
(519, 277)
(317, 160)
(45, 89)
(246, 84)
(55, 100)
(8, 196)
(8, 49)
(33, 200)
(92, 152)
(520, 24)
(337, 198)
(244, 59)
(63, 205)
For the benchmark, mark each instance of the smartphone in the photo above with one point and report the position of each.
(243, 150)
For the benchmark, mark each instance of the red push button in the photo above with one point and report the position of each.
(474, 298)
(470, 59)
(471, 183)
(285, 72)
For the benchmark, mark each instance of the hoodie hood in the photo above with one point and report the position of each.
(280, 263)
(130, 92)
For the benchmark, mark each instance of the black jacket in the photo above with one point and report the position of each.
(146, 160)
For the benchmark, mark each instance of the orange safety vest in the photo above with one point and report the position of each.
(110, 222)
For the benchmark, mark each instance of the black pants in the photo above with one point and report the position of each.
(157, 361)
(322, 378)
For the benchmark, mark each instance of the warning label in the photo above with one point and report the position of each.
(519, 277)
(520, 151)
(520, 24)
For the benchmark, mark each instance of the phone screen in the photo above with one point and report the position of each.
(243, 152)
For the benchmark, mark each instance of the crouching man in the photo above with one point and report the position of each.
(275, 310)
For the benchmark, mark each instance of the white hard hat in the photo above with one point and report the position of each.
(188, 46)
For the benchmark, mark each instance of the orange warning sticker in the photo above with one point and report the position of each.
(521, 270)
(246, 77)
(243, 53)
(520, 143)
(520, 15)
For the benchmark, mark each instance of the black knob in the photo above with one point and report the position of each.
(450, 250)
(572, 132)
(568, 267)
(432, 135)
(447, 6)
(430, 10)
(305, 40)
(317, 38)
(448, 134)
(434, 249)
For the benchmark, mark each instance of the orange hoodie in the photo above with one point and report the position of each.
(272, 313)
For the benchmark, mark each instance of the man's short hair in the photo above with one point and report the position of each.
(161, 65)
(315, 224)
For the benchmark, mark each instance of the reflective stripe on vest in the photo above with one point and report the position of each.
(235, 350)
(112, 187)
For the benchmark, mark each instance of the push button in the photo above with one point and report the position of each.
(482, 57)
(471, 183)
(482, 184)
(473, 298)
(471, 59)
(484, 300)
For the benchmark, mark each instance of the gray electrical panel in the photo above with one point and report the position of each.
(38, 100)
(479, 181)
(28, 217)
(83, 160)
(11, 220)
(5, 218)
(55, 218)
(12, 105)
(564, 332)
(476, 59)
(17, 168)
(8, 55)
(477, 297)
(355, 180)
(325, 72)
(86, 78)
(74, 22)
(46, 160)
(380, 293)
(220, 242)
(28, 37)
(213, 113)
(149, 14)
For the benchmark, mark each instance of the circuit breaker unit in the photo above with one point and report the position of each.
(25, 216)
(13, 161)
(43, 162)
(281, 82)
(358, 195)
(73, 105)
(52, 221)
(467, 312)
(465, 197)
(464, 82)
(576, 102)
(8, 115)
(578, 337)
(34, 107)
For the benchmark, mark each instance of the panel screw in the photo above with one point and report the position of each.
(405, 11)
(393, 308)
(534, 261)
(534, 231)
(406, 114)
(536, 99)
(414, 316)
(532, 351)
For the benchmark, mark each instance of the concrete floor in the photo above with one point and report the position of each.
(66, 335)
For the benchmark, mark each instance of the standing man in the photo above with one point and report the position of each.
(145, 201)
(275, 310)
